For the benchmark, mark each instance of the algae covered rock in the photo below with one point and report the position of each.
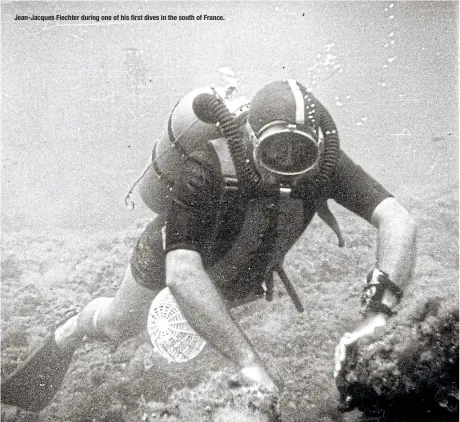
(221, 399)
(410, 371)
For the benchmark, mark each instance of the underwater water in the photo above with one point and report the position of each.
(84, 101)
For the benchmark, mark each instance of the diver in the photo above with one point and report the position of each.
(235, 183)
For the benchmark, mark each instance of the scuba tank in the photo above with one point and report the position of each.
(207, 114)
(198, 118)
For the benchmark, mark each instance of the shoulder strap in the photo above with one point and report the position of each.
(223, 153)
(326, 215)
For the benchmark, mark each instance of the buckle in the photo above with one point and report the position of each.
(371, 299)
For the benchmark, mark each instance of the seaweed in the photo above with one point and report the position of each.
(410, 371)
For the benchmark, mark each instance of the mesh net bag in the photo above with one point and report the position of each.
(170, 334)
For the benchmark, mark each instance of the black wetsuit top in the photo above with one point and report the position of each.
(207, 218)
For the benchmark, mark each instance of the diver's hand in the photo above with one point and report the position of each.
(365, 328)
(263, 392)
(256, 375)
(343, 351)
(345, 355)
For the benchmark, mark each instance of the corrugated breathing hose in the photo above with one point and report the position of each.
(210, 109)
(332, 145)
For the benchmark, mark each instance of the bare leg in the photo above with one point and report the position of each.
(118, 318)
(34, 383)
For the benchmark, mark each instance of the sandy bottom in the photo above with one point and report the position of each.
(46, 274)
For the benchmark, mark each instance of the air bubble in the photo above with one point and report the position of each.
(391, 59)
(391, 35)
(384, 84)
(391, 6)
(386, 45)
(391, 17)
(363, 119)
(324, 65)
(392, 42)
(359, 124)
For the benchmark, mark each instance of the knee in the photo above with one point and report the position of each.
(88, 319)
(120, 324)
(101, 319)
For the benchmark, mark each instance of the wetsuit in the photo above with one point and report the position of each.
(241, 239)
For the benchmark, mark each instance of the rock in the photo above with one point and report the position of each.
(411, 370)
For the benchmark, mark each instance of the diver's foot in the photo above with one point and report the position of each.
(34, 383)
(68, 335)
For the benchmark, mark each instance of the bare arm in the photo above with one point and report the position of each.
(396, 249)
(396, 245)
(207, 313)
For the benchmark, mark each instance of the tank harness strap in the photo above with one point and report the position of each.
(326, 215)
(289, 288)
(174, 140)
(181, 150)
(256, 239)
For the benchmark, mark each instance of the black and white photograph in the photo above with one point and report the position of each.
(217, 211)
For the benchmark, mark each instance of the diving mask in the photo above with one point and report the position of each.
(287, 151)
